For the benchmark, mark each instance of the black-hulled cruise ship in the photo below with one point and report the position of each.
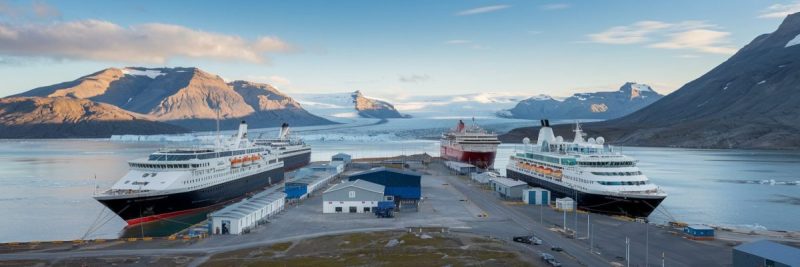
(293, 152)
(171, 182)
(602, 179)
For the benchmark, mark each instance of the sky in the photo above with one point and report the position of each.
(386, 49)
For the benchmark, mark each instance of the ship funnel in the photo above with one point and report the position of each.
(546, 134)
(284, 131)
(242, 133)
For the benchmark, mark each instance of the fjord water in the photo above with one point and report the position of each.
(46, 186)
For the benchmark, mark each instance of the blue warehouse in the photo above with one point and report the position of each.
(404, 186)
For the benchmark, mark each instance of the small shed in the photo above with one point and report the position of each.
(342, 157)
(697, 231)
(237, 218)
(484, 177)
(566, 203)
(536, 196)
(357, 196)
(333, 167)
(460, 167)
(765, 253)
(508, 188)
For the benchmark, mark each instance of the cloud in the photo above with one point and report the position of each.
(555, 6)
(780, 11)
(458, 42)
(635, 33)
(481, 10)
(700, 40)
(414, 78)
(144, 43)
(693, 35)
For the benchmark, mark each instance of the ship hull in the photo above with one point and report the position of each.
(138, 210)
(605, 204)
(483, 160)
(295, 162)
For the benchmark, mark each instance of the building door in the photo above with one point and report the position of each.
(366, 209)
(338, 209)
(353, 209)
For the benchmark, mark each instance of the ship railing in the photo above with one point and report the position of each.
(117, 192)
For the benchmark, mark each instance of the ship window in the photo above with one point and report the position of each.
(153, 174)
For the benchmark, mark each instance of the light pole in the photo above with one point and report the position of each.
(646, 243)
(628, 251)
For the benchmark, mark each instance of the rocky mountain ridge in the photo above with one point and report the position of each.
(187, 97)
(592, 106)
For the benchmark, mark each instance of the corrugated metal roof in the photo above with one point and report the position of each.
(247, 206)
(384, 169)
(508, 182)
(360, 184)
(700, 227)
(773, 251)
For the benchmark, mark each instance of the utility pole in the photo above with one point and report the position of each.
(576, 214)
(628, 251)
(662, 259)
(565, 220)
(591, 241)
(588, 226)
(646, 243)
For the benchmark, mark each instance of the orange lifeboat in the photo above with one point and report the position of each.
(236, 162)
(246, 160)
(557, 173)
(547, 171)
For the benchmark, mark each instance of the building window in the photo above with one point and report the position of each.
(366, 209)
(353, 209)
(352, 194)
(338, 209)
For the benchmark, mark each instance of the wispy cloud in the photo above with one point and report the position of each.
(555, 6)
(780, 10)
(688, 35)
(146, 43)
(481, 10)
(631, 34)
(458, 42)
(700, 40)
(414, 78)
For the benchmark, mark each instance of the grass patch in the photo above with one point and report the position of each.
(368, 249)
(281, 246)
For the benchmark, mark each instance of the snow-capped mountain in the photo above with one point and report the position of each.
(593, 106)
(348, 106)
(340, 105)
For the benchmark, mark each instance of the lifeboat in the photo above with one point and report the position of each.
(236, 162)
(547, 171)
(557, 173)
(246, 160)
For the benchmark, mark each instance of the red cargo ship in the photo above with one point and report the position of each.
(471, 145)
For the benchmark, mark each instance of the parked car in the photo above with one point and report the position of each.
(536, 240)
(546, 256)
(554, 262)
(523, 239)
(556, 248)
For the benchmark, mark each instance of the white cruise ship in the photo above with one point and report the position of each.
(599, 178)
(293, 152)
(175, 181)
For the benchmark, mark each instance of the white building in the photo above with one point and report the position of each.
(565, 204)
(484, 177)
(508, 188)
(246, 214)
(357, 196)
(461, 168)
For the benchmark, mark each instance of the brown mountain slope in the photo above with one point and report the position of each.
(64, 117)
(188, 97)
